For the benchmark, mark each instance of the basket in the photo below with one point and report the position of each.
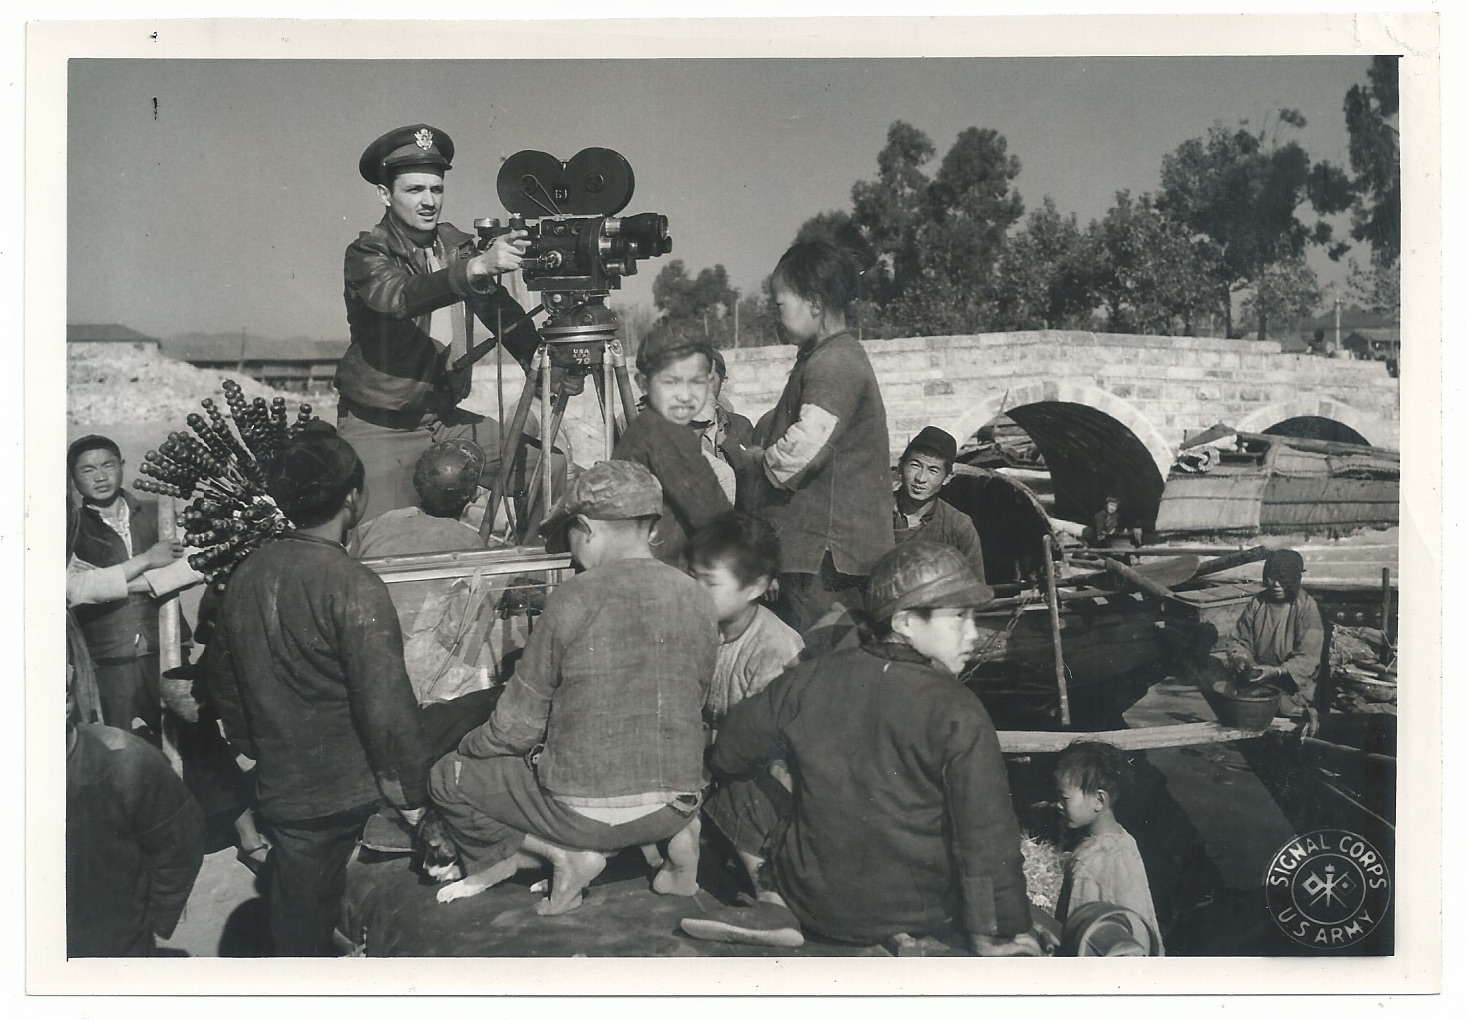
(1246, 708)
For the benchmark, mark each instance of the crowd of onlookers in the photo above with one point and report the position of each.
(764, 633)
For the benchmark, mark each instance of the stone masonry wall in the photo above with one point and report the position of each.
(1159, 387)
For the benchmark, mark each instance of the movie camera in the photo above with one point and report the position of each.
(577, 251)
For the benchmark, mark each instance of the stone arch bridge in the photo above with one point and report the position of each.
(1108, 411)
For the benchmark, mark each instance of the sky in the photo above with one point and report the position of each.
(219, 195)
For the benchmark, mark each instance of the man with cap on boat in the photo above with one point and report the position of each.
(414, 286)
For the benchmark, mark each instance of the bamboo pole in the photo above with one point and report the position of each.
(1385, 604)
(1139, 579)
(1054, 629)
(170, 633)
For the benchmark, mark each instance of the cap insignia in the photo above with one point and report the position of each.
(424, 138)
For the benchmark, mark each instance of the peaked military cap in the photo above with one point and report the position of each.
(420, 147)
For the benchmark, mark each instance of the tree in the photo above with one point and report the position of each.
(1045, 276)
(1377, 289)
(698, 303)
(1244, 192)
(1375, 156)
(932, 242)
(1149, 273)
(1287, 294)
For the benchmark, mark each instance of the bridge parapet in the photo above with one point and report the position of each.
(1158, 386)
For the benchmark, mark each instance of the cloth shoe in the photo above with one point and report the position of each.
(387, 833)
(754, 923)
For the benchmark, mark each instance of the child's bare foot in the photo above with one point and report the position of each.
(491, 876)
(571, 872)
(652, 855)
(679, 875)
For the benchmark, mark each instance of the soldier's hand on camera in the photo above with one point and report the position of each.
(503, 255)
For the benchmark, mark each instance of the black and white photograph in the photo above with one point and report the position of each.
(543, 495)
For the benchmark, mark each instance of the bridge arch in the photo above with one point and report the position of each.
(1368, 427)
(1093, 442)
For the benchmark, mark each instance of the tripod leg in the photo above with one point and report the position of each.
(628, 399)
(541, 482)
(514, 441)
(607, 413)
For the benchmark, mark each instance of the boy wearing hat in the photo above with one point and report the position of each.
(597, 742)
(328, 712)
(414, 285)
(1282, 631)
(926, 466)
(901, 821)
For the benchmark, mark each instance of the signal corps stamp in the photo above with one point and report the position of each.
(1328, 889)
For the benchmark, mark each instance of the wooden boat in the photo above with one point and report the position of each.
(1278, 485)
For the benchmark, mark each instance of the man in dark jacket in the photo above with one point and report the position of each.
(134, 842)
(901, 821)
(328, 711)
(926, 466)
(113, 539)
(414, 286)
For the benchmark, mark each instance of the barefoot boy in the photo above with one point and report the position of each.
(597, 741)
(901, 821)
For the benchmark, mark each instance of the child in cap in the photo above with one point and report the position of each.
(736, 558)
(823, 450)
(901, 821)
(926, 466)
(1106, 867)
(597, 742)
(673, 371)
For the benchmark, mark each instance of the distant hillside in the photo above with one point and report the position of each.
(226, 347)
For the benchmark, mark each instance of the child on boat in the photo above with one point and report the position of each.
(901, 822)
(673, 371)
(735, 557)
(1106, 867)
(927, 466)
(823, 449)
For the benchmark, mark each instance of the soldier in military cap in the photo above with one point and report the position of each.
(414, 286)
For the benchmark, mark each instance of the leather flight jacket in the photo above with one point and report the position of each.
(393, 365)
